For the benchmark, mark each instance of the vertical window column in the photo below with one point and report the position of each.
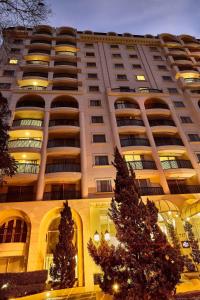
(155, 155)
(41, 183)
(84, 181)
(114, 127)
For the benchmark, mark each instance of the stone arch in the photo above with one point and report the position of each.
(151, 102)
(64, 101)
(47, 220)
(124, 102)
(31, 100)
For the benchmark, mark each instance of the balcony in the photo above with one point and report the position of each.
(149, 90)
(65, 43)
(39, 51)
(62, 195)
(17, 197)
(150, 190)
(126, 105)
(162, 125)
(70, 104)
(24, 143)
(67, 53)
(157, 109)
(60, 125)
(174, 169)
(184, 189)
(142, 165)
(176, 164)
(45, 33)
(37, 63)
(130, 125)
(65, 63)
(163, 141)
(123, 90)
(35, 74)
(129, 122)
(42, 42)
(65, 76)
(63, 143)
(70, 167)
(64, 88)
(27, 123)
(27, 168)
(63, 146)
(126, 142)
(192, 82)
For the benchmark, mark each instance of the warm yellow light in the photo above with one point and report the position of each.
(115, 287)
(187, 219)
(24, 155)
(140, 77)
(96, 237)
(107, 236)
(34, 83)
(13, 61)
(27, 133)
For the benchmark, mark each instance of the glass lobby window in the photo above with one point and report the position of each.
(13, 231)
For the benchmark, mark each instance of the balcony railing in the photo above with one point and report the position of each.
(65, 75)
(42, 32)
(30, 104)
(37, 62)
(64, 88)
(27, 168)
(164, 141)
(156, 105)
(66, 53)
(17, 197)
(149, 90)
(122, 90)
(142, 164)
(129, 122)
(63, 122)
(176, 164)
(153, 190)
(35, 74)
(41, 42)
(191, 80)
(63, 143)
(66, 43)
(62, 195)
(27, 122)
(39, 51)
(184, 189)
(161, 122)
(126, 105)
(70, 167)
(64, 104)
(134, 142)
(65, 63)
(24, 143)
(33, 87)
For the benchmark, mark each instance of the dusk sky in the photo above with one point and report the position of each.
(134, 16)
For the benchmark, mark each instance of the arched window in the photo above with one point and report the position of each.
(13, 231)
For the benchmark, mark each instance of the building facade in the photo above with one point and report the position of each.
(74, 96)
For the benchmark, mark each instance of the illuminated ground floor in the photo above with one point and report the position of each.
(29, 230)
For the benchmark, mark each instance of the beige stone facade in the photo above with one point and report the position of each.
(74, 96)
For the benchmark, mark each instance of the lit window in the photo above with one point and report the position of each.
(140, 77)
(132, 157)
(13, 61)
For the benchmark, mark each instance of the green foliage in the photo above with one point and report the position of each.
(144, 264)
(63, 268)
(7, 163)
(193, 242)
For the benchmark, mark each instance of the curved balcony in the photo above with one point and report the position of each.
(65, 63)
(127, 108)
(130, 125)
(36, 63)
(64, 107)
(26, 172)
(68, 172)
(183, 62)
(177, 52)
(157, 109)
(35, 75)
(63, 146)
(57, 87)
(166, 144)
(65, 77)
(59, 125)
(123, 90)
(43, 33)
(150, 190)
(26, 143)
(62, 195)
(39, 51)
(192, 82)
(162, 125)
(27, 123)
(138, 145)
(65, 43)
(142, 164)
(177, 168)
(184, 189)
(149, 90)
(192, 45)
(40, 42)
(27, 168)
(20, 197)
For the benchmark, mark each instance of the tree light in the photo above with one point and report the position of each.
(48, 294)
(96, 236)
(115, 287)
(4, 286)
(107, 236)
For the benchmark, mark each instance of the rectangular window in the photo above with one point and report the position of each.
(119, 66)
(133, 56)
(104, 185)
(99, 138)
(185, 119)
(8, 72)
(5, 86)
(194, 137)
(89, 45)
(95, 102)
(114, 46)
(121, 77)
(140, 77)
(167, 78)
(162, 67)
(116, 55)
(92, 76)
(130, 47)
(172, 91)
(157, 57)
(91, 64)
(91, 54)
(101, 160)
(198, 156)
(136, 66)
(179, 104)
(97, 119)
(94, 88)
(13, 61)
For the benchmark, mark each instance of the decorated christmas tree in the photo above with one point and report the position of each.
(143, 265)
(193, 242)
(63, 268)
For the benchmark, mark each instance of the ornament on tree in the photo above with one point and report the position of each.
(143, 264)
(62, 270)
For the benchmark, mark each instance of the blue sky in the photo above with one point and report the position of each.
(134, 16)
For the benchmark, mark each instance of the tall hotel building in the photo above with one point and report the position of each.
(76, 95)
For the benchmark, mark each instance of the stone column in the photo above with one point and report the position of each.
(114, 127)
(155, 155)
(41, 182)
(84, 181)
